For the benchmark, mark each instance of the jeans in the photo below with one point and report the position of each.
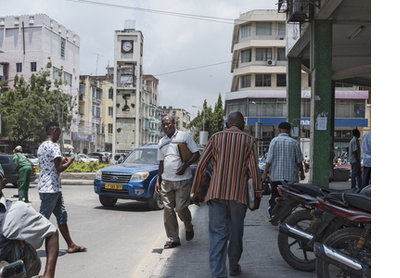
(53, 203)
(355, 175)
(226, 225)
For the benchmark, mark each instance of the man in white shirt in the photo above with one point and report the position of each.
(49, 185)
(174, 180)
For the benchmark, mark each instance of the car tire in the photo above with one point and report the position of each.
(155, 202)
(107, 201)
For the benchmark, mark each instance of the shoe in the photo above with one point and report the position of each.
(189, 235)
(171, 244)
(236, 271)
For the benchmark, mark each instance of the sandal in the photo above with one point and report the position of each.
(171, 244)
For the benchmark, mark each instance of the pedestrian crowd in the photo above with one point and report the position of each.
(234, 187)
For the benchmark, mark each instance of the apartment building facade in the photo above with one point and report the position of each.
(26, 43)
(259, 82)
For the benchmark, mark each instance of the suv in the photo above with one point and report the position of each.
(134, 179)
(10, 171)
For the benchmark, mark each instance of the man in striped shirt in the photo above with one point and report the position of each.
(233, 155)
(283, 158)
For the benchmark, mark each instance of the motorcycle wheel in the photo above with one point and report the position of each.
(295, 252)
(344, 240)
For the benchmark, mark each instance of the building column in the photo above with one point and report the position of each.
(294, 95)
(322, 96)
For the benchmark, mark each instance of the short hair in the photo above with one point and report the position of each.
(50, 125)
(285, 126)
(356, 132)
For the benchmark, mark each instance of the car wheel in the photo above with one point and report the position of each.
(107, 201)
(155, 202)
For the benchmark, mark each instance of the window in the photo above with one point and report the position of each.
(245, 31)
(263, 54)
(263, 80)
(281, 80)
(68, 78)
(263, 28)
(305, 107)
(19, 67)
(110, 111)
(245, 56)
(110, 128)
(62, 48)
(96, 93)
(281, 29)
(96, 111)
(246, 81)
(350, 108)
(82, 89)
(33, 66)
(281, 54)
(110, 93)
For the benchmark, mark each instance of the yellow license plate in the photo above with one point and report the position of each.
(113, 186)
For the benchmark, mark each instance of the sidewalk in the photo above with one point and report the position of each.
(260, 258)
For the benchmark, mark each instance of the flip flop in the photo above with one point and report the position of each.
(171, 244)
(79, 249)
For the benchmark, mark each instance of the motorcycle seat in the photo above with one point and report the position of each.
(356, 200)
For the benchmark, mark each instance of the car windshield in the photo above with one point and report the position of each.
(142, 156)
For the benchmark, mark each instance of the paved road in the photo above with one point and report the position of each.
(117, 239)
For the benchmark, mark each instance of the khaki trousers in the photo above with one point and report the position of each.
(176, 197)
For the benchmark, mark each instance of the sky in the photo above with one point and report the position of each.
(190, 57)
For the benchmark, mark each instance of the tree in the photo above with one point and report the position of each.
(27, 108)
(213, 121)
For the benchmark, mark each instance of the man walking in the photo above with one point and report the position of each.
(366, 146)
(24, 169)
(283, 161)
(49, 185)
(233, 154)
(355, 159)
(174, 180)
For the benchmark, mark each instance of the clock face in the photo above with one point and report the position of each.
(127, 46)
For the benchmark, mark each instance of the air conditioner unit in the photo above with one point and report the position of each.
(270, 62)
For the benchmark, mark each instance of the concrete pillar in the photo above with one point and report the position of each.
(294, 95)
(322, 96)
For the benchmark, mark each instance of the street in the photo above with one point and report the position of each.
(117, 239)
(127, 241)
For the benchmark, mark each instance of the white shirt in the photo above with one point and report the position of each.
(49, 179)
(169, 153)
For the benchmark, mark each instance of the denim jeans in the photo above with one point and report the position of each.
(226, 223)
(53, 203)
(356, 175)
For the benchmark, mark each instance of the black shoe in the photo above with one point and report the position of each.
(236, 271)
(189, 235)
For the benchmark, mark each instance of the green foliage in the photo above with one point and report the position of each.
(213, 121)
(27, 107)
(75, 167)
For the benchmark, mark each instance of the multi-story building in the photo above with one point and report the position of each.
(28, 41)
(182, 117)
(259, 83)
(151, 112)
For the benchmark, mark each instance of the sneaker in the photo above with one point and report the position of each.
(236, 271)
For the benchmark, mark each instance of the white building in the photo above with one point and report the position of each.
(26, 43)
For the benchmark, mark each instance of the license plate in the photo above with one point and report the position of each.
(114, 186)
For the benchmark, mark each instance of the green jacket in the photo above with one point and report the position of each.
(20, 160)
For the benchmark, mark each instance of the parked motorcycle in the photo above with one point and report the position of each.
(301, 229)
(346, 252)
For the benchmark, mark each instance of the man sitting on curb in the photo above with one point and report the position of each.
(22, 230)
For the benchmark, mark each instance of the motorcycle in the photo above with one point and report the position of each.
(301, 228)
(13, 270)
(346, 252)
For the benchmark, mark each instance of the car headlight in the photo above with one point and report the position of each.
(98, 175)
(139, 176)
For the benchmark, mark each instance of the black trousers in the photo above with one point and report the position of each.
(274, 194)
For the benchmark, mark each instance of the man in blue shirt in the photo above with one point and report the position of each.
(284, 158)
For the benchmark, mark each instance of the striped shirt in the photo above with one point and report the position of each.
(233, 155)
(284, 154)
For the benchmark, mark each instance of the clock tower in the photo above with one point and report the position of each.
(127, 90)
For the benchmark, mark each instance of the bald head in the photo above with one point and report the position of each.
(235, 119)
